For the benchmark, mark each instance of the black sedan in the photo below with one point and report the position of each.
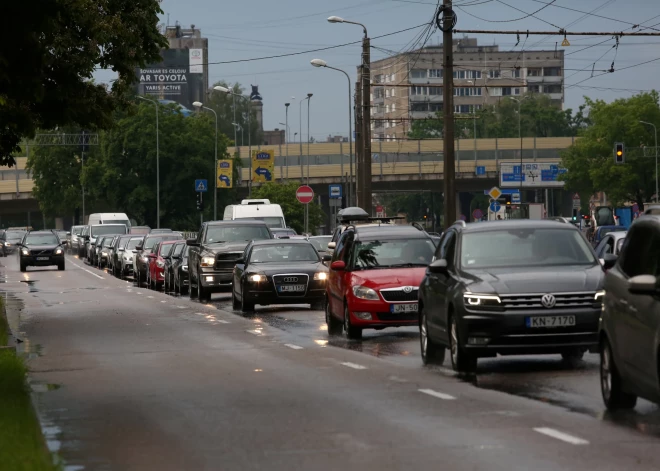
(41, 249)
(279, 271)
(181, 280)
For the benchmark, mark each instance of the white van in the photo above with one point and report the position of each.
(261, 210)
(109, 218)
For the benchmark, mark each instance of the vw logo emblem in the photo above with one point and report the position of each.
(548, 301)
(407, 289)
(290, 279)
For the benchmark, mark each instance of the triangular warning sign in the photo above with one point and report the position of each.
(201, 186)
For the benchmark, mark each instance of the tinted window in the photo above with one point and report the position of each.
(106, 229)
(637, 252)
(132, 243)
(41, 239)
(13, 235)
(166, 250)
(217, 234)
(186, 249)
(178, 248)
(284, 253)
(392, 253)
(604, 216)
(150, 242)
(107, 242)
(525, 247)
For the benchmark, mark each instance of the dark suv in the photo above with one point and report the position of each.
(41, 249)
(512, 287)
(215, 251)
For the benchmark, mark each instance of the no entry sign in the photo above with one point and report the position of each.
(305, 194)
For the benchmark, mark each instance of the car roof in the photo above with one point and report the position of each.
(170, 242)
(40, 232)
(508, 224)
(236, 222)
(279, 241)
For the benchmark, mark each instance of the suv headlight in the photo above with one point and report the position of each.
(257, 278)
(599, 295)
(25, 252)
(320, 276)
(363, 292)
(184, 267)
(104, 253)
(208, 261)
(144, 258)
(58, 252)
(484, 300)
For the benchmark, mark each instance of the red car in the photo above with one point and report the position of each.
(155, 273)
(375, 275)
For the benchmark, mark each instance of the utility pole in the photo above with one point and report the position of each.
(365, 201)
(446, 20)
(359, 161)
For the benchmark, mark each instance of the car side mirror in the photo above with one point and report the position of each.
(192, 243)
(332, 245)
(439, 266)
(120, 249)
(609, 260)
(138, 247)
(338, 265)
(240, 261)
(643, 284)
(326, 257)
(68, 233)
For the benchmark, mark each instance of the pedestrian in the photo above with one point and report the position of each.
(499, 217)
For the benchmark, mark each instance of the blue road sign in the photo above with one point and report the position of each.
(505, 191)
(225, 179)
(480, 170)
(334, 191)
(495, 206)
(515, 198)
(201, 186)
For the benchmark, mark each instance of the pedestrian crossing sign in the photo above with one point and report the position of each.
(201, 186)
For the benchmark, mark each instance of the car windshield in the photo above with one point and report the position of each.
(178, 248)
(392, 253)
(166, 250)
(320, 243)
(107, 242)
(152, 241)
(77, 230)
(117, 221)
(525, 248)
(217, 234)
(122, 242)
(284, 253)
(606, 230)
(132, 243)
(274, 222)
(104, 229)
(14, 235)
(41, 239)
(140, 230)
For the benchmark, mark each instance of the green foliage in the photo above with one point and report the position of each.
(47, 66)
(284, 194)
(414, 205)
(590, 161)
(223, 105)
(540, 118)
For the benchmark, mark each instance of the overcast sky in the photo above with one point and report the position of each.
(256, 28)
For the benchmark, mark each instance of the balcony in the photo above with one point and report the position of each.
(426, 81)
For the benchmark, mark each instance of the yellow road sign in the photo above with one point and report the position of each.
(495, 193)
(225, 173)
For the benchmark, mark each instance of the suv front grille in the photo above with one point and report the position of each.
(398, 295)
(226, 261)
(513, 302)
(41, 252)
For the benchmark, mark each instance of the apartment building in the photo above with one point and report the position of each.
(408, 86)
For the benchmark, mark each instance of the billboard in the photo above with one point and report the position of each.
(533, 175)
(172, 78)
(263, 164)
(225, 173)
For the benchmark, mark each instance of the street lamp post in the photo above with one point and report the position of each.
(655, 129)
(215, 185)
(286, 140)
(309, 100)
(236, 125)
(322, 63)
(155, 102)
(521, 142)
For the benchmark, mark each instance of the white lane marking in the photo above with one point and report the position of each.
(88, 271)
(439, 395)
(150, 297)
(254, 332)
(295, 347)
(564, 437)
(355, 366)
(223, 321)
(181, 307)
(164, 301)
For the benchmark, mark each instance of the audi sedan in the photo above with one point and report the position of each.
(279, 271)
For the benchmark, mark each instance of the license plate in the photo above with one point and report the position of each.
(550, 321)
(396, 308)
(291, 288)
(42, 258)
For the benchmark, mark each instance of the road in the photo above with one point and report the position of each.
(129, 379)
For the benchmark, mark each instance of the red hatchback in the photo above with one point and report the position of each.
(374, 278)
(156, 274)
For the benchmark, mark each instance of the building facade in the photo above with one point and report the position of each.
(408, 86)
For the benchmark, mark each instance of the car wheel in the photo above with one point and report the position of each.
(203, 294)
(183, 289)
(60, 266)
(611, 385)
(461, 361)
(192, 291)
(335, 327)
(246, 306)
(23, 267)
(432, 354)
(235, 304)
(353, 333)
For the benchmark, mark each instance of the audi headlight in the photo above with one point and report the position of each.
(58, 252)
(184, 267)
(320, 276)
(104, 253)
(208, 261)
(363, 292)
(257, 278)
(481, 300)
(144, 258)
(25, 252)
(599, 294)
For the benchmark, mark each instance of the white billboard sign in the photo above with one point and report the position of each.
(196, 61)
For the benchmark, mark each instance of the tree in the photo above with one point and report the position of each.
(49, 56)
(590, 161)
(223, 105)
(284, 194)
(414, 205)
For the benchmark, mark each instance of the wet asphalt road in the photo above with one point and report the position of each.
(126, 378)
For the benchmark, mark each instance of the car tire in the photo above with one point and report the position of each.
(246, 306)
(235, 305)
(432, 353)
(335, 327)
(353, 333)
(611, 386)
(461, 361)
(60, 266)
(203, 294)
(192, 291)
(23, 267)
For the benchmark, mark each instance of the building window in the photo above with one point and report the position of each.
(393, 77)
(507, 91)
(552, 89)
(435, 73)
(462, 109)
(378, 78)
(515, 73)
(534, 89)
(496, 91)
(435, 90)
(435, 107)
(417, 90)
(467, 91)
(419, 107)
(535, 72)
(516, 91)
(418, 73)
(387, 108)
(387, 123)
(494, 74)
(552, 71)
(393, 107)
(387, 93)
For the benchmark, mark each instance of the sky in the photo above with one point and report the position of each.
(242, 31)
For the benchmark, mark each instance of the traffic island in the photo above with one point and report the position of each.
(22, 445)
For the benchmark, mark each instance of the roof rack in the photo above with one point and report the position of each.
(461, 222)
(418, 226)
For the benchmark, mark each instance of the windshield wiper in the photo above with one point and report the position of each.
(398, 265)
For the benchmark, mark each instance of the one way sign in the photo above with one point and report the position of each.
(201, 186)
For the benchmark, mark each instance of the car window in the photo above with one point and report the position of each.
(619, 245)
(283, 253)
(340, 250)
(14, 235)
(384, 253)
(636, 251)
(123, 242)
(218, 234)
(178, 248)
(166, 250)
(107, 242)
(320, 243)
(132, 243)
(107, 229)
(602, 246)
(441, 251)
(41, 239)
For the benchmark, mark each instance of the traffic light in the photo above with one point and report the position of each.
(200, 202)
(575, 215)
(619, 153)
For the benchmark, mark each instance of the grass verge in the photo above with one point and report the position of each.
(4, 327)
(22, 446)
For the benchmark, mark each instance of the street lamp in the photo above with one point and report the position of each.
(655, 129)
(339, 19)
(198, 104)
(236, 125)
(521, 141)
(302, 168)
(228, 91)
(322, 63)
(155, 102)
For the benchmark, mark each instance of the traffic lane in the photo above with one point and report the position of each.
(546, 378)
(143, 384)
